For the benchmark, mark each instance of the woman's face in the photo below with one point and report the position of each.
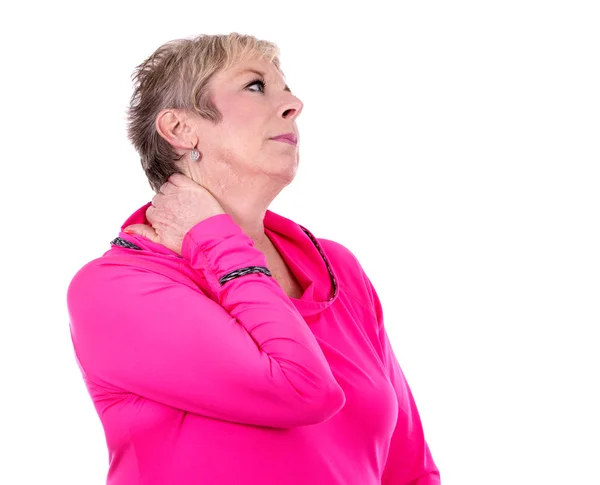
(256, 105)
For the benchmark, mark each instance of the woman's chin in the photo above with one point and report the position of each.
(285, 170)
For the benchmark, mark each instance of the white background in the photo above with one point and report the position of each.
(452, 146)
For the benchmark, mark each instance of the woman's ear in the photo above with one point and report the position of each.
(173, 125)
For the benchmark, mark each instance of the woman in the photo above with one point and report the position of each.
(223, 343)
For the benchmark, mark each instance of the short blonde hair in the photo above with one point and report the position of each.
(176, 76)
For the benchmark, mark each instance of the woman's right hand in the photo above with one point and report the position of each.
(180, 204)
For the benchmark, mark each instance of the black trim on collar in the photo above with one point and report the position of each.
(119, 241)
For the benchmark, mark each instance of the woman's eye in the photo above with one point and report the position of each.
(258, 82)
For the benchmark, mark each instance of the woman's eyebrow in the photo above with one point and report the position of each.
(260, 73)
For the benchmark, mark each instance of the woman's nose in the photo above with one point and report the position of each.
(291, 109)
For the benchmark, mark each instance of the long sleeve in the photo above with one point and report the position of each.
(409, 459)
(245, 355)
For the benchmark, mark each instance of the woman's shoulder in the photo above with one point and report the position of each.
(338, 252)
(120, 266)
(348, 270)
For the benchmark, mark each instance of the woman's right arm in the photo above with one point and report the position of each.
(250, 358)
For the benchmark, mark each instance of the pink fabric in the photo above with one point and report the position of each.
(201, 383)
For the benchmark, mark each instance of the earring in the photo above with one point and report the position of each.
(194, 155)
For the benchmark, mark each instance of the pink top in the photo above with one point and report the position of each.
(201, 383)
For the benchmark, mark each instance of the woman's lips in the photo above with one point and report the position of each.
(285, 140)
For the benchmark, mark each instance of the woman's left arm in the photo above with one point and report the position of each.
(409, 460)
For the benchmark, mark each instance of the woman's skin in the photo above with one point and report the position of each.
(241, 168)
(240, 165)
